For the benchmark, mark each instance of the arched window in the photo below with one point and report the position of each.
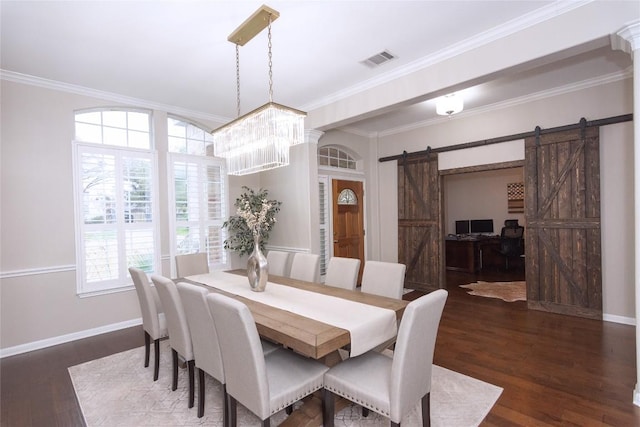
(188, 138)
(115, 177)
(336, 158)
(197, 193)
(121, 128)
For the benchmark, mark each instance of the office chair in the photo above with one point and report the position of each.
(511, 242)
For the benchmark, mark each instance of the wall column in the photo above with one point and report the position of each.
(311, 138)
(628, 40)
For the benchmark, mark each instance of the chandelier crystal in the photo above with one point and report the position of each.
(259, 140)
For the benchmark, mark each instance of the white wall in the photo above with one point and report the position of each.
(616, 144)
(487, 60)
(39, 305)
(483, 155)
(292, 186)
(617, 218)
(37, 227)
(38, 301)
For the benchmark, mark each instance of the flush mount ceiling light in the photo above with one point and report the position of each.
(449, 104)
(259, 140)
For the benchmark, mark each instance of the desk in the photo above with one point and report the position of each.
(472, 254)
(304, 335)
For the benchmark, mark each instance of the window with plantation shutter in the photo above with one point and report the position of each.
(197, 195)
(323, 184)
(116, 199)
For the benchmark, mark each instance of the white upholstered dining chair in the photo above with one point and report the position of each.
(264, 384)
(206, 347)
(305, 267)
(383, 278)
(179, 335)
(342, 273)
(278, 262)
(392, 386)
(190, 264)
(153, 320)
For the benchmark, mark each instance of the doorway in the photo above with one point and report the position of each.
(348, 220)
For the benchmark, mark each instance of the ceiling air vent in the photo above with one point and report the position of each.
(378, 59)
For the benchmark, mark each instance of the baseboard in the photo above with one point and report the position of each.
(619, 319)
(37, 345)
(636, 396)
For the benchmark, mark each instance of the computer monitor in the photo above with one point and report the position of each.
(462, 227)
(481, 226)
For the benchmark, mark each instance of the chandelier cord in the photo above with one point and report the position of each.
(270, 63)
(238, 79)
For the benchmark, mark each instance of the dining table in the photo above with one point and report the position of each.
(312, 319)
(315, 320)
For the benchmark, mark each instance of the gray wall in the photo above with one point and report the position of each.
(479, 195)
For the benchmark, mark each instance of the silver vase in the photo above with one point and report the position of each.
(257, 268)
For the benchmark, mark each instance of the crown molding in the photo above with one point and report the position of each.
(543, 14)
(312, 135)
(627, 39)
(27, 79)
(358, 132)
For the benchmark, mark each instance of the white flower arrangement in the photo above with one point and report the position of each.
(255, 216)
(257, 221)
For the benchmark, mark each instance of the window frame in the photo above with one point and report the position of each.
(123, 282)
(341, 157)
(202, 161)
(101, 110)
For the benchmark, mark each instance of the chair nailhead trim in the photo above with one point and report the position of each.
(358, 401)
(297, 398)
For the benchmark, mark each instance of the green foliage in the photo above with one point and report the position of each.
(240, 238)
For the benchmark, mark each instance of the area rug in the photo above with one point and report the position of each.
(506, 291)
(118, 391)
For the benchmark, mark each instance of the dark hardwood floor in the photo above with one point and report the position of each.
(555, 370)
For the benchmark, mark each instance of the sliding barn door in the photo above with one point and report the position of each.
(562, 205)
(419, 222)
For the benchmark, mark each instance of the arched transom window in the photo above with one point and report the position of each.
(336, 158)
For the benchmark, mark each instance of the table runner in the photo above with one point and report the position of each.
(368, 325)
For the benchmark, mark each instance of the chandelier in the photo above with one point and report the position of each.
(259, 140)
